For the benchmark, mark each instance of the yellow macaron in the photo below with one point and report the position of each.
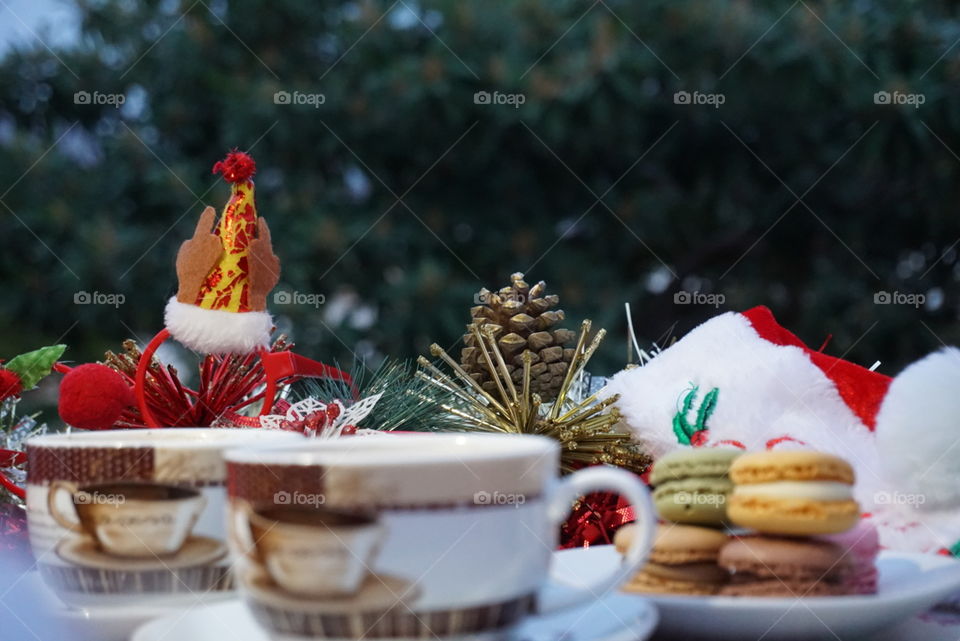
(795, 493)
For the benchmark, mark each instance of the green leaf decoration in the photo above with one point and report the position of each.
(33, 366)
(955, 549)
(682, 428)
(680, 431)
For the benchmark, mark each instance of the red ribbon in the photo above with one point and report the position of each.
(10, 458)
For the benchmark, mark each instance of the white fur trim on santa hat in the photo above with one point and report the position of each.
(918, 439)
(765, 391)
(214, 331)
(918, 433)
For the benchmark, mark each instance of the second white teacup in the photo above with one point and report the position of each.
(470, 526)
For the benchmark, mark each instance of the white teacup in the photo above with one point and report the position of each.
(471, 524)
(134, 517)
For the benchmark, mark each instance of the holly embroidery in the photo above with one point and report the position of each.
(954, 550)
(695, 434)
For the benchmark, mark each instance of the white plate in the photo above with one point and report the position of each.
(908, 585)
(617, 617)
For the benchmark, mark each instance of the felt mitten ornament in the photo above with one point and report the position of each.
(225, 273)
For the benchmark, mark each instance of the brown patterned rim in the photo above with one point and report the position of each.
(398, 622)
(187, 456)
(261, 483)
(99, 464)
(89, 464)
(95, 581)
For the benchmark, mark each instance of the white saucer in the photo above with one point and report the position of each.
(618, 617)
(48, 618)
(908, 585)
(196, 551)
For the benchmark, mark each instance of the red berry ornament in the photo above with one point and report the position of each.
(10, 384)
(93, 396)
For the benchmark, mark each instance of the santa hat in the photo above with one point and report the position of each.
(745, 381)
(225, 273)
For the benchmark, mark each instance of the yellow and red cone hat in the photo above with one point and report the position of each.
(225, 273)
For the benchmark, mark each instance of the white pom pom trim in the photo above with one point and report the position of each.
(214, 331)
(918, 431)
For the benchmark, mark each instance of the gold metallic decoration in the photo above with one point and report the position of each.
(584, 427)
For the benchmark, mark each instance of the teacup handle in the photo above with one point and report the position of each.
(240, 530)
(201, 506)
(601, 478)
(55, 488)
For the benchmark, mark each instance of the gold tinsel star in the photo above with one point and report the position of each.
(584, 427)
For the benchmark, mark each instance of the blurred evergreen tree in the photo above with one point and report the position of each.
(399, 196)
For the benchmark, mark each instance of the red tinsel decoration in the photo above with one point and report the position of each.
(237, 167)
(595, 520)
(227, 383)
(10, 384)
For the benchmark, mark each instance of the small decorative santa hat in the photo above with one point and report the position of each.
(226, 273)
(743, 380)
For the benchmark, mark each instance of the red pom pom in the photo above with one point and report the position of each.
(237, 167)
(10, 384)
(93, 397)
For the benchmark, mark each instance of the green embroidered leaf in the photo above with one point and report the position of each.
(682, 428)
(955, 549)
(33, 366)
(680, 431)
(706, 408)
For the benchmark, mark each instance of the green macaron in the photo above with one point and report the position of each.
(692, 486)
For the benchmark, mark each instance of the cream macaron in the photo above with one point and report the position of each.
(796, 493)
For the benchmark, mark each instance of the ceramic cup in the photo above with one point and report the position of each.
(134, 517)
(311, 550)
(470, 524)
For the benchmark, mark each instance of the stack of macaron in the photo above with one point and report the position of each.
(796, 526)
(807, 540)
(691, 490)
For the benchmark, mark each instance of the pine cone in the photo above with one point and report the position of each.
(523, 319)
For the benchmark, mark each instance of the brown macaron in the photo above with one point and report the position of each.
(683, 560)
(785, 567)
